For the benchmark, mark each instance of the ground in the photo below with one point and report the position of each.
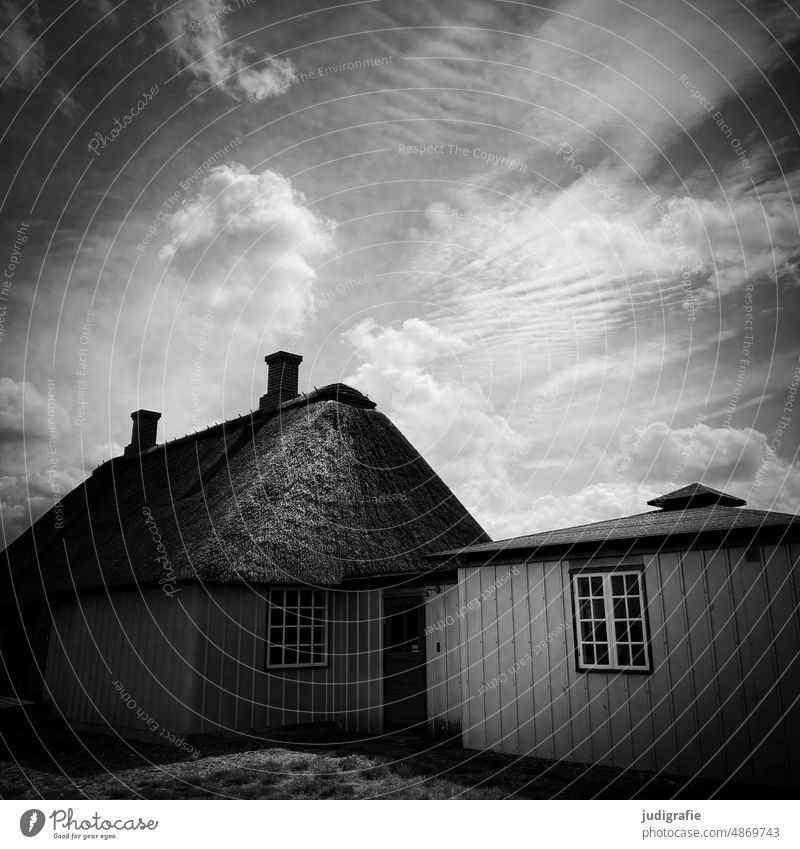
(303, 763)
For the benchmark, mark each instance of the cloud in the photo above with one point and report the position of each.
(657, 458)
(606, 76)
(741, 461)
(238, 278)
(593, 503)
(247, 239)
(37, 454)
(66, 104)
(204, 49)
(451, 422)
(22, 56)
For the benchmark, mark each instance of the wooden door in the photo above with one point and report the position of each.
(404, 663)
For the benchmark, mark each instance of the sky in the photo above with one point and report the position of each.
(557, 243)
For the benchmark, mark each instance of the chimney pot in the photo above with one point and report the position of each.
(282, 379)
(143, 432)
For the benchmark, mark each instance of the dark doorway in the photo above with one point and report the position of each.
(404, 680)
(24, 635)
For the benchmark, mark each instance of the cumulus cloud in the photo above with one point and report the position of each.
(22, 56)
(202, 46)
(248, 239)
(657, 458)
(449, 420)
(741, 461)
(37, 454)
(593, 503)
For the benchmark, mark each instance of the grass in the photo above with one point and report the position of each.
(311, 764)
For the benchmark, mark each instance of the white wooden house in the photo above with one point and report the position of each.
(665, 641)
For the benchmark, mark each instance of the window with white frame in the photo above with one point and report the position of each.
(610, 621)
(297, 627)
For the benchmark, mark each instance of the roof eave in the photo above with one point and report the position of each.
(622, 546)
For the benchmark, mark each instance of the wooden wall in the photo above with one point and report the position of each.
(142, 640)
(238, 692)
(194, 663)
(722, 701)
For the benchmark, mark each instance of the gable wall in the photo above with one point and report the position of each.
(724, 638)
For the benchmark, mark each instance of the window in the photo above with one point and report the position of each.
(297, 627)
(610, 622)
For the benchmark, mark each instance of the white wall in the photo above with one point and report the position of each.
(722, 700)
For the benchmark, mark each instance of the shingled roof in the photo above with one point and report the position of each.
(695, 495)
(323, 488)
(686, 519)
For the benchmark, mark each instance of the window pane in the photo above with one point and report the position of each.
(597, 586)
(617, 585)
(583, 587)
(586, 630)
(634, 608)
(600, 633)
(293, 638)
(585, 609)
(602, 655)
(632, 584)
(623, 655)
(621, 630)
(599, 609)
(619, 608)
(638, 655)
(637, 632)
(588, 653)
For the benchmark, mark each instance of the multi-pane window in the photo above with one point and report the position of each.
(297, 627)
(610, 622)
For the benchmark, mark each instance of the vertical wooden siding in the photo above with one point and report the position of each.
(144, 640)
(722, 701)
(238, 692)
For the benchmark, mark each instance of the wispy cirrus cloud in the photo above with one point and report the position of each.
(212, 59)
(22, 54)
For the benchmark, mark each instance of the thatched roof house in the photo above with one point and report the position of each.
(313, 491)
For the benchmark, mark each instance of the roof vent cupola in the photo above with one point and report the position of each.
(695, 495)
(282, 380)
(143, 432)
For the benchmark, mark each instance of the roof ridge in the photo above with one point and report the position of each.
(341, 393)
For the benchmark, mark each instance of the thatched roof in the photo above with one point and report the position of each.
(322, 489)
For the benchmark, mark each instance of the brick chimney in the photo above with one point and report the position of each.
(143, 433)
(281, 380)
